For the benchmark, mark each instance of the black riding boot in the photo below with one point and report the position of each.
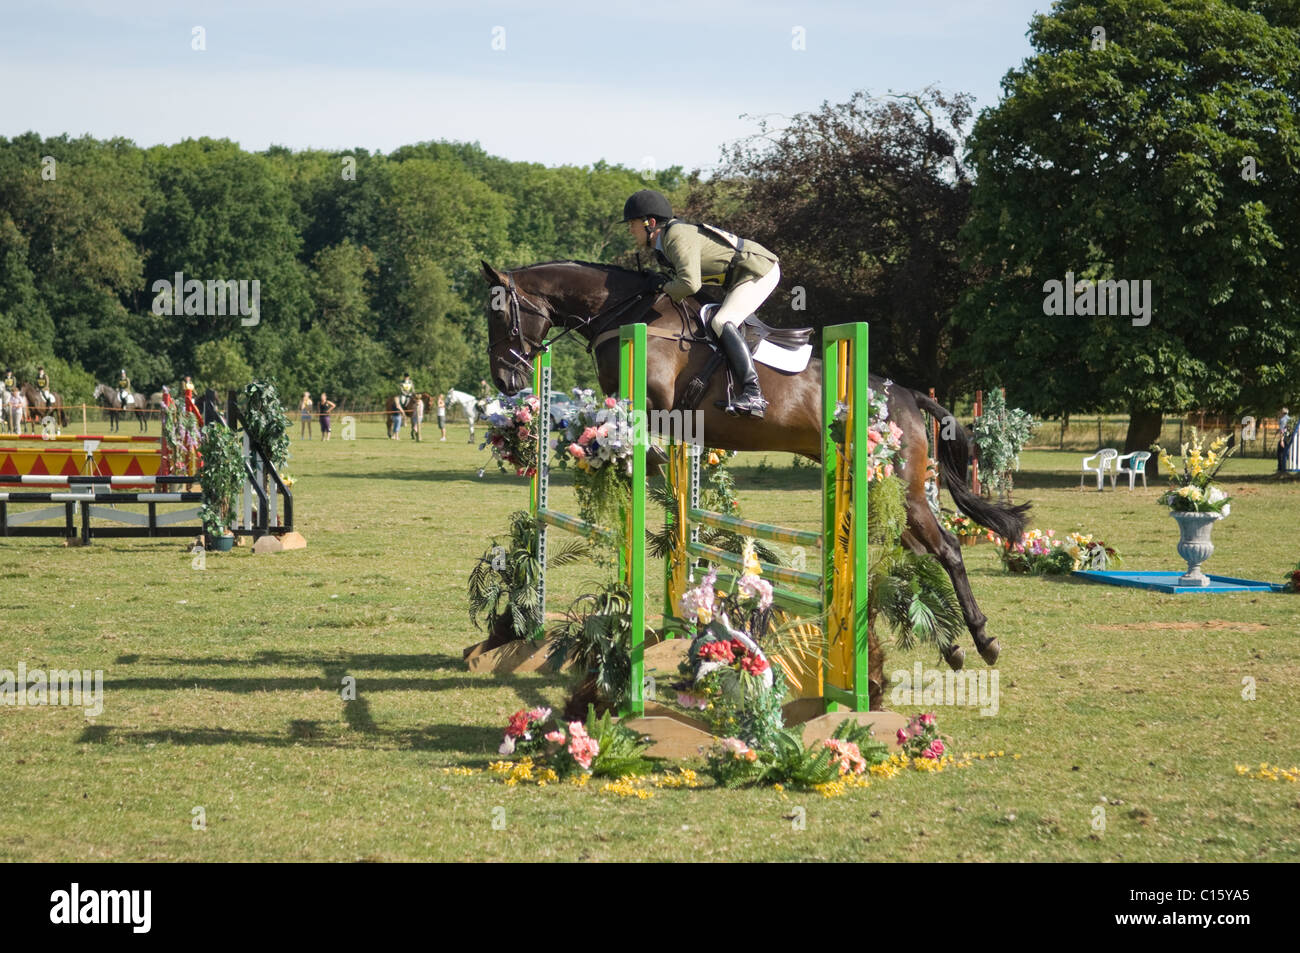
(750, 402)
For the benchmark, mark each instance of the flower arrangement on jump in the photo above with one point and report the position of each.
(965, 528)
(718, 490)
(1192, 488)
(1039, 553)
(727, 677)
(920, 739)
(593, 434)
(596, 437)
(181, 438)
(884, 438)
(562, 749)
(512, 435)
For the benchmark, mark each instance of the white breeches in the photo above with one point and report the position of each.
(744, 299)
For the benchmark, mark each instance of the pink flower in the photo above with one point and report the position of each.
(576, 451)
(935, 751)
(523, 433)
(587, 436)
(927, 719)
(873, 438)
(611, 402)
(555, 737)
(539, 714)
(895, 434)
(903, 736)
(524, 415)
(687, 700)
(735, 747)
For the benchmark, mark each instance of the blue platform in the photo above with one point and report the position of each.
(1168, 582)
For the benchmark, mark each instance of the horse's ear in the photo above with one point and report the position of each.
(493, 276)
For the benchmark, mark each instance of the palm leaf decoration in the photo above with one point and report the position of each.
(503, 583)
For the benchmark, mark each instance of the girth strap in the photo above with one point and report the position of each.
(651, 330)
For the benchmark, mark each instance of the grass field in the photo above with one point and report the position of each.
(222, 692)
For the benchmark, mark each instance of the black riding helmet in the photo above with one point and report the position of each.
(647, 204)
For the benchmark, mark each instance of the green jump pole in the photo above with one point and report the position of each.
(856, 694)
(632, 374)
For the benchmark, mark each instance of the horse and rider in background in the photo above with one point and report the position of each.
(112, 399)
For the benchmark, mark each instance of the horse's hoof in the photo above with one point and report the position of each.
(990, 652)
(955, 657)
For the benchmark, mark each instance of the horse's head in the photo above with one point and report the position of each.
(518, 322)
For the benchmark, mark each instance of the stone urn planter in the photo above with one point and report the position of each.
(1194, 544)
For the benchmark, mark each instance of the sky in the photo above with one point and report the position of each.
(647, 85)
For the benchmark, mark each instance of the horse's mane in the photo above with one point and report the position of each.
(583, 264)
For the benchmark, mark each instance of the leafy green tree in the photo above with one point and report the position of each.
(1146, 141)
(863, 201)
(221, 366)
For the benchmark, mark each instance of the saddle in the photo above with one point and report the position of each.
(784, 349)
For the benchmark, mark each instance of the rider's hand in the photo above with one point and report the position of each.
(658, 280)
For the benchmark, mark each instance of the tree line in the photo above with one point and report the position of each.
(1143, 146)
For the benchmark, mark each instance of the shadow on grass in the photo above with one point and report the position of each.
(310, 734)
(345, 663)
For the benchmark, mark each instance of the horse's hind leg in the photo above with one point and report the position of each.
(924, 533)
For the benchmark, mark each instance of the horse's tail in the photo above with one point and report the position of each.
(1005, 520)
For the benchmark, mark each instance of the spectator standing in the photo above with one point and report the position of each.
(326, 405)
(442, 418)
(304, 414)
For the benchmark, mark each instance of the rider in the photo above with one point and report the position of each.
(407, 390)
(43, 385)
(123, 388)
(11, 384)
(695, 254)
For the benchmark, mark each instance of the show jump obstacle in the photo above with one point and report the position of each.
(88, 480)
(834, 598)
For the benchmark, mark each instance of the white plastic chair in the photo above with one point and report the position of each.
(1104, 459)
(1137, 465)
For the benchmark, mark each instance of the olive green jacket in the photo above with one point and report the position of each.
(695, 255)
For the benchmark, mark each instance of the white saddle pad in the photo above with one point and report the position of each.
(773, 355)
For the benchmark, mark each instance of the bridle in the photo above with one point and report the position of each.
(521, 357)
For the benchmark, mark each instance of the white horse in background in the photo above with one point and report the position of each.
(468, 403)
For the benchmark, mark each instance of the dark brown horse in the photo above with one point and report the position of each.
(38, 408)
(593, 300)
